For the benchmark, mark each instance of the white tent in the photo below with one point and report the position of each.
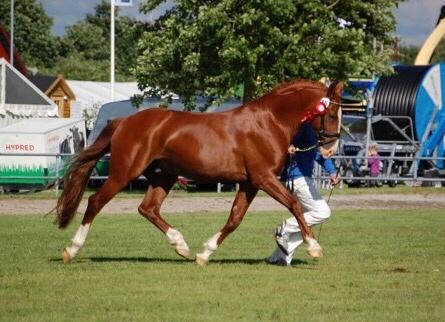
(20, 99)
(91, 94)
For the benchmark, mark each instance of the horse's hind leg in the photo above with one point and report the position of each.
(243, 199)
(95, 203)
(151, 206)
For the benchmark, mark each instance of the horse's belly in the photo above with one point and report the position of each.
(205, 170)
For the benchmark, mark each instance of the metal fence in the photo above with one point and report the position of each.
(321, 177)
(391, 173)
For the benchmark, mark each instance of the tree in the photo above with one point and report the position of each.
(439, 53)
(76, 66)
(211, 47)
(407, 54)
(84, 52)
(32, 31)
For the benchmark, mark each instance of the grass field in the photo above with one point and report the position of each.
(378, 266)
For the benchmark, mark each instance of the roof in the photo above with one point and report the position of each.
(39, 125)
(94, 94)
(21, 98)
(48, 83)
(42, 82)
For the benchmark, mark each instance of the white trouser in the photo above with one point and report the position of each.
(316, 211)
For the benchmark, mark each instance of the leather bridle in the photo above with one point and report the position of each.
(324, 137)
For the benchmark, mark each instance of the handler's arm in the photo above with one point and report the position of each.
(329, 167)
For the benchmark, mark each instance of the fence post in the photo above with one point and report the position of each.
(415, 172)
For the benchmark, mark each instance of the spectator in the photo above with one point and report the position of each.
(374, 164)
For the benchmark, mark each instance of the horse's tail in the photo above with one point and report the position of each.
(76, 178)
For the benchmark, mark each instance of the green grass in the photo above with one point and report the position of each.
(378, 266)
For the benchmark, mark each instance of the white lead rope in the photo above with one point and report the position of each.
(329, 198)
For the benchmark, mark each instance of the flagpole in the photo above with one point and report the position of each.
(112, 51)
(11, 36)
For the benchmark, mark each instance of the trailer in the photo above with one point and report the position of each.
(33, 152)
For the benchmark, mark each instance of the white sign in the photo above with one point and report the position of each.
(123, 3)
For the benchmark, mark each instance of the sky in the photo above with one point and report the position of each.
(416, 19)
(67, 12)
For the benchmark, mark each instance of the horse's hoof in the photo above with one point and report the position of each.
(66, 257)
(185, 253)
(314, 249)
(201, 261)
(315, 253)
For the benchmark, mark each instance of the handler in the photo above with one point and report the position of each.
(298, 177)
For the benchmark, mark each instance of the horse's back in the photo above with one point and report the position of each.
(189, 140)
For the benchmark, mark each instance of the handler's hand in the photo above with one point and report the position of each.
(291, 149)
(334, 179)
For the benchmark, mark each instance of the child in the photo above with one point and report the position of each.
(374, 164)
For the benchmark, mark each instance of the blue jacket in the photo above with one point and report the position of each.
(301, 164)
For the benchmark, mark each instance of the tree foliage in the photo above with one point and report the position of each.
(32, 31)
(85, 49)
(211, 47)
(408, 53)
(439, 53)
(84, 52)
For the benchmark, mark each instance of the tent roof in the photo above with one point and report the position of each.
(95, 94)
(39, 125)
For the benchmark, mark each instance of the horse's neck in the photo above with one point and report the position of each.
(285, 125)
(289, 116)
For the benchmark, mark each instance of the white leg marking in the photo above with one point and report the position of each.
(314, 249)
(78, 240)
(209, 247)
(176, 239)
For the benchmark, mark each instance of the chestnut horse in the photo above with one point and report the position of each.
(246, 145)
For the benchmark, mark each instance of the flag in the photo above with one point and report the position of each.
(123, 3)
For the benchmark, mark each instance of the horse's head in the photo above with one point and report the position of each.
(309, 101)
(327, 120)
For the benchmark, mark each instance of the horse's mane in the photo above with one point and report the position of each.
(297, 84)
(289, 88)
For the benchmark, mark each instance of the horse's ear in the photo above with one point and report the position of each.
(335, 89)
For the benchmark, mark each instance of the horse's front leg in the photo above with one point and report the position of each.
(243, 198)
(273, 187)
